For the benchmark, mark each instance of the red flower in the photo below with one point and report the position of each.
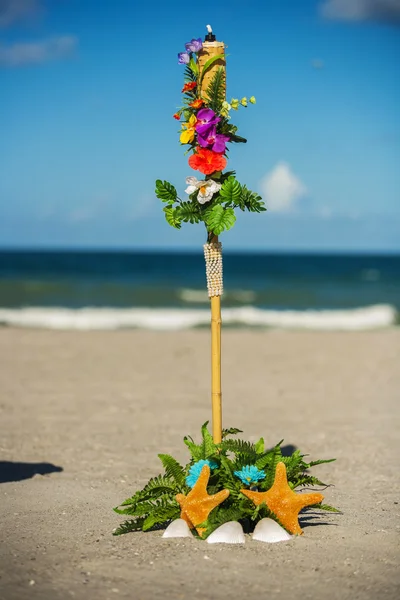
(177, 116)
(206, 161)
(197, 103)
(189, 86)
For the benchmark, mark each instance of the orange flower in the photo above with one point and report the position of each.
(189, 86)
(206, 161)
(177, 116)
(197, 103)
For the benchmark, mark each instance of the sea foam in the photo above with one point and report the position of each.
(372, 317)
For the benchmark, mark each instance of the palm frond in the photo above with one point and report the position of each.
(216, 90)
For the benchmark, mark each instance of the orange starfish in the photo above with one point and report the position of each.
(197, 505)
(283, 501)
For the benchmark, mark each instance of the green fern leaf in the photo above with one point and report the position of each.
(173, 469)
(239, 447)
(251, 201)
(270, 467)
(238, 139)
(313, 463)
(208, 446)
(216, 90)
(219, 516)
(159, 480)
(230, 431)
(160, 515)
(220, 219)
(209, 63)
(260, 446)
(194, 67)
(307, 481)
(195, 450)
(128, 526)
(326, 507)
(189, 75)
(165, 191)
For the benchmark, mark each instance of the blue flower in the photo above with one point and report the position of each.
(194, 45)
(195, 470)
(249, 474)
(183, 58)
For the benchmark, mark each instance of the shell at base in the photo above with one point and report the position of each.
(228, 533)
(269, 531)
(177, 529)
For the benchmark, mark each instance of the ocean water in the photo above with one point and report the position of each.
(163, 290)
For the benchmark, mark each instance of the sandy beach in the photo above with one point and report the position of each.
(97, 407)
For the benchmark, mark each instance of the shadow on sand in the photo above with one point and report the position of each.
(16, 471)
(288, 449)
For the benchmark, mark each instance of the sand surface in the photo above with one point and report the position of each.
(101, 405)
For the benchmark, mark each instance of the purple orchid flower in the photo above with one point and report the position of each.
(183, 58)
(194, 45)
(217, 141)
(206, 118)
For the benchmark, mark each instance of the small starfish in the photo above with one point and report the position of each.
(197, 505)
(283, 501)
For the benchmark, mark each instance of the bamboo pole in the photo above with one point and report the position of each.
(214, 277)
(216, 393)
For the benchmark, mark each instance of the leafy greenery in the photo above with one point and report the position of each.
(231, 191)
(165, 191)
(189, 212)
(172, 216)
(220, 219)
(155, 505)
(217, 215)
(216, 89)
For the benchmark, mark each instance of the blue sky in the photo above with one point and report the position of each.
(88, 89)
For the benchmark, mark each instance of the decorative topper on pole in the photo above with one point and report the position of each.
(262, 481)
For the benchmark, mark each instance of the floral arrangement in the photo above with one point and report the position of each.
(207, 130)
(238, 477)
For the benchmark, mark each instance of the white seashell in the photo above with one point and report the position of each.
(177, 529)
(228, 533)
(268, 530)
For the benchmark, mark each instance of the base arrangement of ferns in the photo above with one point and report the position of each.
(233, 463)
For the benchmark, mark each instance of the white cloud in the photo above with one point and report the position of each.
(15, 10)
(281, 188)
(362, 10)
(19, 54)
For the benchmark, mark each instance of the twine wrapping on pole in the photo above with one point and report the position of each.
(213, 258)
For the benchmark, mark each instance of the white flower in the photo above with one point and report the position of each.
(206, 188)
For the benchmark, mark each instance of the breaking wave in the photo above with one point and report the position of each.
(83, 319)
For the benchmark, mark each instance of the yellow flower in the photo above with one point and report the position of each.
(252, 100)
(235, 103)
(243, 101)
(188, 133)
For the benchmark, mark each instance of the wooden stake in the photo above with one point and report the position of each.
(210, 50)
(216, 394)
